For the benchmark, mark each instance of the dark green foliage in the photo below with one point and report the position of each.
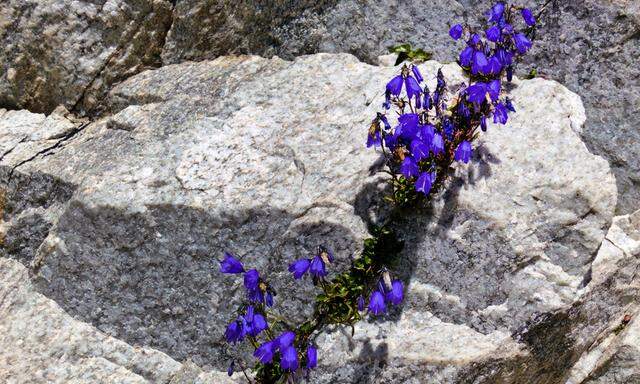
(405, 52)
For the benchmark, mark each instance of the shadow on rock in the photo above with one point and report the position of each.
(151, 278)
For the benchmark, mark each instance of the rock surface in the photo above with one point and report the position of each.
(120, 220)
(67, 52)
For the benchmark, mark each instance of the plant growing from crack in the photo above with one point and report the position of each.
(432, 131)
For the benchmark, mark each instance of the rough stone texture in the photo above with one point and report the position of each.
(71, 52)
(40, 343)
(589, 46)
(266, 158)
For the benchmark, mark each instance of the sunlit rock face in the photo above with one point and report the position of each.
(120, 221)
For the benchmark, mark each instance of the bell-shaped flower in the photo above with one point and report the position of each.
(396, 294)
(493, 88)
(289, 359)
(426, 133)
(426, 102)
(509, 105)
(317, 267)
(505, 57)
(235, 331)
(494, 34)
(409, 168)
(479, 62)
(394, 87)
(231, 368)
(265, 352)
(413, 88)
(455, 32)
(523, 44)
(476, 93)
(251, 280)
(419, 150)
(417, 74)
(463, 152)
(385, 121)
(360, 303)
(474, 40)
(500, 114)
(376, 303)
(528, 17)
(495, 14)
(299, 268)
(312, 357)
(423, 184)
(437, 145)
(374, 139)
(465, 56)
(493, 67)
(483, 123)
(230, 264)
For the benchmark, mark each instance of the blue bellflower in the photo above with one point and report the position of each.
(494, 34)
(394, 87)
(265, 352)
(417, 74)
(455, 32)
(396, 294)
(231, 367)
(360, 303)
(465, 56)
(235, 331)
(376, 303)
(528, 17)
(312, 357)
(496, 12)
(500, 114)
(230, 264)
(523, 44)
(463, 152)
(285, 339)
(413, 88)
(479, 62)
(409, 168)
(423, 184)
(299, 268)
(476, 93)
(317, 267)
(437, 146)
(419, 150)
(289, 359)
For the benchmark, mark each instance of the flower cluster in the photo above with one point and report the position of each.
(386, 291)
(434, 129)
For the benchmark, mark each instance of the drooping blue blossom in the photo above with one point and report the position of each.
(509, 105)
(465, 56)
(299, 268)
(483, 123)
(419, 150)
(231, 368)
(409, 168)
(528, 17)
(493, 88)
(374, 140)
(474, 40)
(252, 280)
(235, 331)
(426, 133)
(426, 103)
(376, 303)
(230, 264)
(509, 73)
(441, 82)
(455, 32)
(317, 267)
(312, 357)
(268, 299)
(448, 127)
(463, 110)
(479, 62)
(437, 146)
(476, 93)
(285, 339)
(523, 44)
(408, 126)
(416, 73)
(289, 359)
(394, 87)
(505, 57)
(360, 303)
(413, 88)
(500, 114)
(423, 184)
(496, 12)
(265, 352)
(254, 322)
(396, 294)
(385, 121)
(463, 152)
(493, 34)
(493, 67)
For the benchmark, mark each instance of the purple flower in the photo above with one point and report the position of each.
(474, 40)
(394, 87)
(268, 299)
(376, 303)
(265, 352)
(465, 56)
(426, 134)
(479, 62)
(493, 88)
(500, 114)
(251, 280)
(437, 146)
(299, 268)
(528, 17)
(509, 105)
(494, 67)
(505, 57)
(255, 295)
(289, 359)
(417, 74)
(413, 88)
(235, 331)
(384, 120)
(427, 99)
(408, 126)
(509, 73)
(317, 267)
(360, 303)
(284, 340)
(423, 184)
(463, 152)
(493, 33)
(409, 168)
(230, 264)
(455, 32)
(476, 93)
(230, 369)
(483, 123)
(312, 357)
(374, 140)
(496, 12)
(463, 110)
(255, 322)
(419, 150)
(396, 294)
(523, 44)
